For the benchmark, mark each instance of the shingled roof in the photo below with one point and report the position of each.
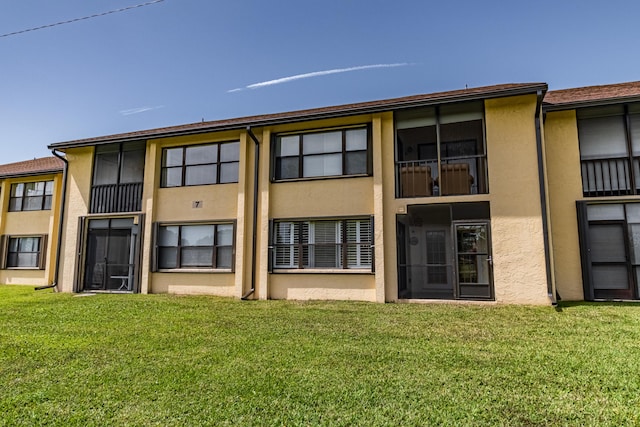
(592, 95)
(484, 92)
(41, 166)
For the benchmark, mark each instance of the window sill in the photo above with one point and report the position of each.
(23, 268)
(195, 270)
(323, 270)
(197, 185)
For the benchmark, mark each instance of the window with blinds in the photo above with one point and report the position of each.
(322, 244)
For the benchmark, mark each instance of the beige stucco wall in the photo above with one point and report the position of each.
(516, 214)
(315, 198)
(217, 202)
(565, 187)
(322, 286)
(519, 269)
(44, 222)
(77, 202)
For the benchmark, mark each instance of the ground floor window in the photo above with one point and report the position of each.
(25, 251)
(200, 245)
(444, 252)
(610, 250)
(322, 244)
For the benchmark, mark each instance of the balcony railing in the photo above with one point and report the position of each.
(112, 198)
(610, 176)
(421, 178)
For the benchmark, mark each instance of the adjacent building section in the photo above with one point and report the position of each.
(593, 137)
(29, 218)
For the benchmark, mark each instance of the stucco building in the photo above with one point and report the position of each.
(29, 220)
(504, 193)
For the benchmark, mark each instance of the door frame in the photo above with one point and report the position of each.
(463, 213)
(585, 250)
(82, 242)
(456, 285)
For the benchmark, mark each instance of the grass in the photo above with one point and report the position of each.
(170, 360)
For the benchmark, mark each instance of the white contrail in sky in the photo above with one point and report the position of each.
(317, 74)
(131, 111)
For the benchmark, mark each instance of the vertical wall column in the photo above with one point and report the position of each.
(148, 197)
(244, 218)
(378, 207)
(262, 252)
(53, 228)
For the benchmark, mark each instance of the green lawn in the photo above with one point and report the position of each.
(168, 360)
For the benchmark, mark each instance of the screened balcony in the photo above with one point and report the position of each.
(118, 174)
(610, 150)
(440, 151)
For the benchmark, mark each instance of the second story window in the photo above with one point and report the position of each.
(610, 150)
(341, 152)
(31, 196)
(200, 164)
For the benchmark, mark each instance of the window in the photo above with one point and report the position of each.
(440, 151)
(317, 154)
(195, 246)
(318, 244)
(200, 164)
(31, 196)
(24, 252)
(610, 150)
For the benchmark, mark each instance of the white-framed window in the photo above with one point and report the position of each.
(194, 245)
(26, 252)
(322, 244)
(200, 164)
(31, 196)
(336, 152)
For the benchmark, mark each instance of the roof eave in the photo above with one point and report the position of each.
(308, 116)
(33, 173)
(589, 103)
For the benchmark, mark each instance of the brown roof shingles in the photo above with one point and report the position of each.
(39, 166)
(592, 94)
(356, 108)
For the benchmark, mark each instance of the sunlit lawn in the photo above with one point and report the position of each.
(168, 360)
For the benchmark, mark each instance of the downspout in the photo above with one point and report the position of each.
(255, 213)
(56, 266)
(543, 200)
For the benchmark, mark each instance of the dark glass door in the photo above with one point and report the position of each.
(610, 268)
(473, 260)
(109, 256)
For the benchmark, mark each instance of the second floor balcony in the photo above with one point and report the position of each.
(111, 198)
(614, 176)
(455, 176)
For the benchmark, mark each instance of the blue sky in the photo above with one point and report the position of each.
(181, 61)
